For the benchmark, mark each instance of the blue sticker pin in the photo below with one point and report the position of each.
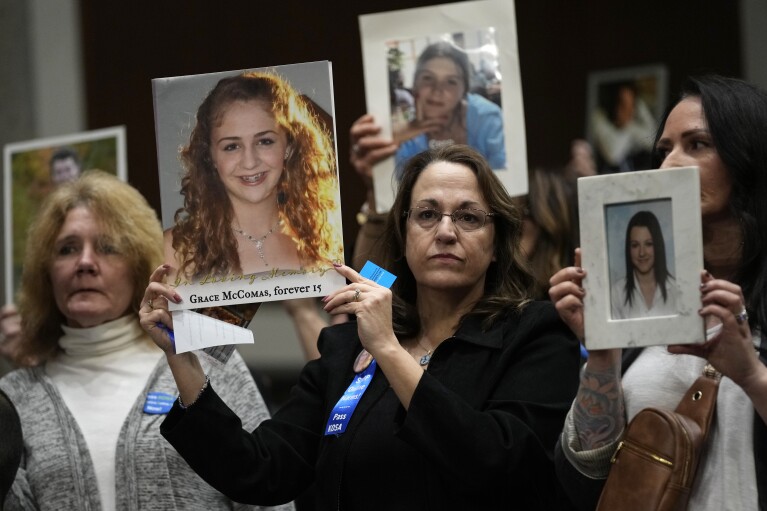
(158, 403)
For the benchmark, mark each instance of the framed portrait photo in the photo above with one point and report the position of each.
(33, 168)
(446, 74)
(641, 246)
(249, 187)
(622, 112)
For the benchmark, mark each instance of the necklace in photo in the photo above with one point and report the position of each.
(258, 242)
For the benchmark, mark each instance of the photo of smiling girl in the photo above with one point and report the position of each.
(260, 186)
(648, 288)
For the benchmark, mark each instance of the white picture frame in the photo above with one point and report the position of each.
(27, 180)
(606, 203)
(471, 22)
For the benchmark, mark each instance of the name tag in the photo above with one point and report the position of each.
(158, 403)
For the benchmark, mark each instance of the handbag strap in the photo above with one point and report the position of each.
(699, 401)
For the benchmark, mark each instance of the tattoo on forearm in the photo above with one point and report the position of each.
(598, 409)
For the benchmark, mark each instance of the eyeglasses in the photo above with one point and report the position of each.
(467, 219)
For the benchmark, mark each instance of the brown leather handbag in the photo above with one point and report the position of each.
(654, 466)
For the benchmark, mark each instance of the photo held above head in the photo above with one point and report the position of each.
(259, 161)
(437, 75)
(624, 105)
(254, 150)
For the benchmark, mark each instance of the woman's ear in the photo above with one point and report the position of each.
(288, 152)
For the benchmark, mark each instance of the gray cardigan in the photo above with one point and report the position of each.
(57, 472)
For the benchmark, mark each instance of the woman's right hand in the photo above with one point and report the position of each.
(154, 309)
(566, 292)
(368, 147)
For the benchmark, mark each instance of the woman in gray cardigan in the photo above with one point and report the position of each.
(91, 403)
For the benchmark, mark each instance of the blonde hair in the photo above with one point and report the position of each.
(125, 217)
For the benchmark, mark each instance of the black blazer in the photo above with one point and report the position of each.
(479, 433)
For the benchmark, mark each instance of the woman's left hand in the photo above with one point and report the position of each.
(731, 351)
(371, 303)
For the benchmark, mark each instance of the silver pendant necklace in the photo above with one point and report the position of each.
(259, 242)
(425, 359)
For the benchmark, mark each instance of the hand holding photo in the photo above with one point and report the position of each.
(641, 247)
(446, 74)
(259, 160)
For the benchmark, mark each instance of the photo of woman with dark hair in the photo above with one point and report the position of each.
(648, 289)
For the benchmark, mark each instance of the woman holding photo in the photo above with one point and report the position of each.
(446, 370)
(260, 187)
(648, 289)
(719, 125)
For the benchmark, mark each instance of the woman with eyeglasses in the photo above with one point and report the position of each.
(447, 392)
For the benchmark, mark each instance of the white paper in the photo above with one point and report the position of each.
(195, 331)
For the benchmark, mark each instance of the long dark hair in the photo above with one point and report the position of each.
(736, 113)
(660, 268)
(508, 283)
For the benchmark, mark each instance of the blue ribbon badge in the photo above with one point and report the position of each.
(342, 412)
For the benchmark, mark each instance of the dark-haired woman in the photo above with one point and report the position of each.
(718, 124)
(447, 392)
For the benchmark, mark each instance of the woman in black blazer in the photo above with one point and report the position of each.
(448, 390)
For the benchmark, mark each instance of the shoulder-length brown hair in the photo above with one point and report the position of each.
(202, 237)
(126, 219)
(508, 282)
(550, 204)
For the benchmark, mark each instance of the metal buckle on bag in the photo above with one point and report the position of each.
(710, 372)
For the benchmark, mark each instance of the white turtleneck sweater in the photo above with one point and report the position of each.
(99, 375)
